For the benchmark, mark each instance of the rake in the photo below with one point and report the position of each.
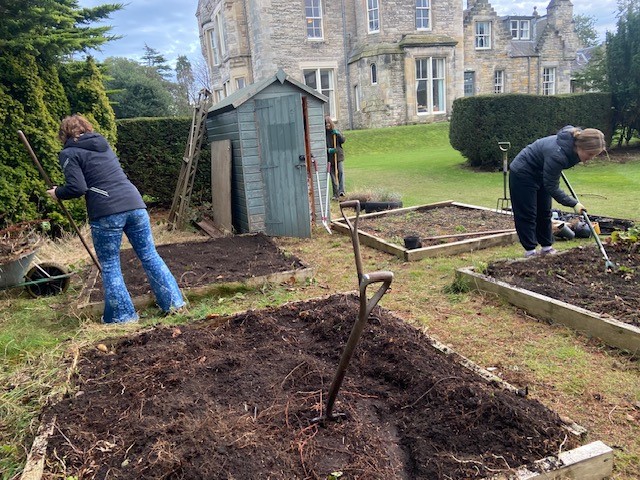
(609, 265)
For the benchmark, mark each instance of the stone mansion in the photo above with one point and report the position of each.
(389, 62)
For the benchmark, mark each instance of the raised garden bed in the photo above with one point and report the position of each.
(235, 397)
(206, 267)
(573, 288)
(444, 228)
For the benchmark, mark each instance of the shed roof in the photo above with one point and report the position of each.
(239, 97)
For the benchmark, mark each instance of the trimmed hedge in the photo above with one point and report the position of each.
(478, 123)
(151, 152)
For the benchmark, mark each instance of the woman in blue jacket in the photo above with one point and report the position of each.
(534, 179)
(114, 205)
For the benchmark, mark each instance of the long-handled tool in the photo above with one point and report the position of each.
(366, 306)
(609, 265)
(335, 163)
(504, 203)
(322, 212)
(326, 200)
(49, 183)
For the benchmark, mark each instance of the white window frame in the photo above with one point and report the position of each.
(423, 14)
(498, 81)
(373, 68)
(549, 81)
(221, 34)
(328, 90)
(313, 13)
(373, 16)
(215, 48)
(240, 83)
(521, 29)
(432, 84)
(482, 37)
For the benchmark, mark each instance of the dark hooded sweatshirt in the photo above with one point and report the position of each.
(92, 169)
(544, 161)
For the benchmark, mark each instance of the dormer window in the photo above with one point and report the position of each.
(520, 29)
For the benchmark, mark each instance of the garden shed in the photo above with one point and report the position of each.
(263, 138)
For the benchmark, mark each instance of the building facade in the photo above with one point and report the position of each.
(389, 62)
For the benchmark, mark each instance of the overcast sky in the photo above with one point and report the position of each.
(171, 28)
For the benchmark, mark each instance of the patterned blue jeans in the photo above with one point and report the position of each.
(107, 238)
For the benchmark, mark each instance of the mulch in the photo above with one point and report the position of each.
(234, 398)
(219, 260)
(578, 276)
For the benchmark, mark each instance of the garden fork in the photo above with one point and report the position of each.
(504, 203)
(366, 306)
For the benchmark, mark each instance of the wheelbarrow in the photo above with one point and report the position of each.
(366, 306)
(42, 279)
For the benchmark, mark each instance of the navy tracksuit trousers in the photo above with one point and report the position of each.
(531, 206)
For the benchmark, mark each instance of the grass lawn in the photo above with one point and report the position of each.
(595, 386)
(418, 162)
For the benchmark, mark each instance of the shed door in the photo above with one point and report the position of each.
(281, 133)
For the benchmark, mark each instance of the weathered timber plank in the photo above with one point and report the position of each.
(593, 461)
(147, 300)
(452, 248)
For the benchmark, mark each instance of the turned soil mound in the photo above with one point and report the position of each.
(195, 264)
(578, 276)
(235, 400)
(434, 222)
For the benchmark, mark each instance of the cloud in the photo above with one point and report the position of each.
(169, 26)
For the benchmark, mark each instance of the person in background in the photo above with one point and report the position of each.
(335, 156)
(534, 179)
(114, 205)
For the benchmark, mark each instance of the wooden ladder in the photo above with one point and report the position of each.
(182, 195)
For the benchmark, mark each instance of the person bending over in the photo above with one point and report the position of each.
(534, 179)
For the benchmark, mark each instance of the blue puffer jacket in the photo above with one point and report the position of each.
(544, 161)
(92, 169)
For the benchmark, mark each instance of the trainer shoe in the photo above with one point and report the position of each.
(548, 251)
(530, 253)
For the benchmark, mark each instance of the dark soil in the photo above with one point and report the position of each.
(427, 223)
(220, 260)
(578, 276)
(235, 401)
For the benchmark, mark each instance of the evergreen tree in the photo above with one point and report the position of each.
(141, 91)
(35, 36)
(154, 59)
(623, 69)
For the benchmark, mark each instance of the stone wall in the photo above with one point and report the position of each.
(271, 34)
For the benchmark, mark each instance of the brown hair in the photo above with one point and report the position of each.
(590, 140)
(73, 127)
(328, 120)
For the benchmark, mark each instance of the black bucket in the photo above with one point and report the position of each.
(412, 242)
